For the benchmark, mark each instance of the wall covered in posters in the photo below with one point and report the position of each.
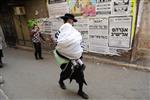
(107, 26)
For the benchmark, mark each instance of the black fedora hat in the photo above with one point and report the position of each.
(69, 16)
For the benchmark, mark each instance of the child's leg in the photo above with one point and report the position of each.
(1, 64)
(1, 55)
(82, 66)
(0, 59)
(79, 61)
(74, 62)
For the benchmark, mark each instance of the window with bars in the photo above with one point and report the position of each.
(55, 1)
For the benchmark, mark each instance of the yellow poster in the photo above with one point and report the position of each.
(82, 7)
(133, 13)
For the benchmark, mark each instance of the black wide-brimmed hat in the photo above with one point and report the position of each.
(69, 16)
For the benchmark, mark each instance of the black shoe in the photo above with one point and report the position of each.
(83, 67)
(1, 65)
(62, 85)
(1, 82)
(37, 58)
(83, 95)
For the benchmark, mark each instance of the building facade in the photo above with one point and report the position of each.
(17, 32)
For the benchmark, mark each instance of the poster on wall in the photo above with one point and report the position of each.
(120, 32)
(121, 7)
(82, 27)
(57, 9)
(45, 25)
(82, 7)
(133, 14)
(98, 35)
(56, 24)
(104, 7)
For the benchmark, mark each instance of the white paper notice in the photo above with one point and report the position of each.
(120, 32)
(104, 7)
(45, 25)
(82, 27)
(98, 35)
(121, 7)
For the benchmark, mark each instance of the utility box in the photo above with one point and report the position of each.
(20, 10)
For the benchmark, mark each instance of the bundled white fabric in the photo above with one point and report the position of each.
(69, 42)
(2, 39)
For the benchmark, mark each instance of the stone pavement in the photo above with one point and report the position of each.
(28, 79)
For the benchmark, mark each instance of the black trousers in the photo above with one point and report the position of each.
(38, 50)
(1, 55)
(76, 75)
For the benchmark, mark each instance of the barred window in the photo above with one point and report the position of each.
(55, 1)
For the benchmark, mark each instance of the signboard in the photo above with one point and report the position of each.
(120, 32)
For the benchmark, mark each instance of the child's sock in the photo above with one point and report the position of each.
(80, 62)
(74, 62)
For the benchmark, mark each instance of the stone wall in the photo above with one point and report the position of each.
(144, 38)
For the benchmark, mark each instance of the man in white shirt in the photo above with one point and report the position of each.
(69, 47)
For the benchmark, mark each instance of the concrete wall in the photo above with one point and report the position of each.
(144, 38)
(34, 9)
(144, 32)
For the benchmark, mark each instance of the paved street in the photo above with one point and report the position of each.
(29, 79)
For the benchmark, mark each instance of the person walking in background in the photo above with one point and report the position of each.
(36, 39)
(2, 45)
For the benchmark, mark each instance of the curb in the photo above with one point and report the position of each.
(27, 48)
(108, 61)
(119, 64)
(24, 48)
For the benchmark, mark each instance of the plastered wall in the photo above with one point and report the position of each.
(144, 38)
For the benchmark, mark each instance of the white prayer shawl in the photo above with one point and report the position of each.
(2, 39)
(69, 42)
